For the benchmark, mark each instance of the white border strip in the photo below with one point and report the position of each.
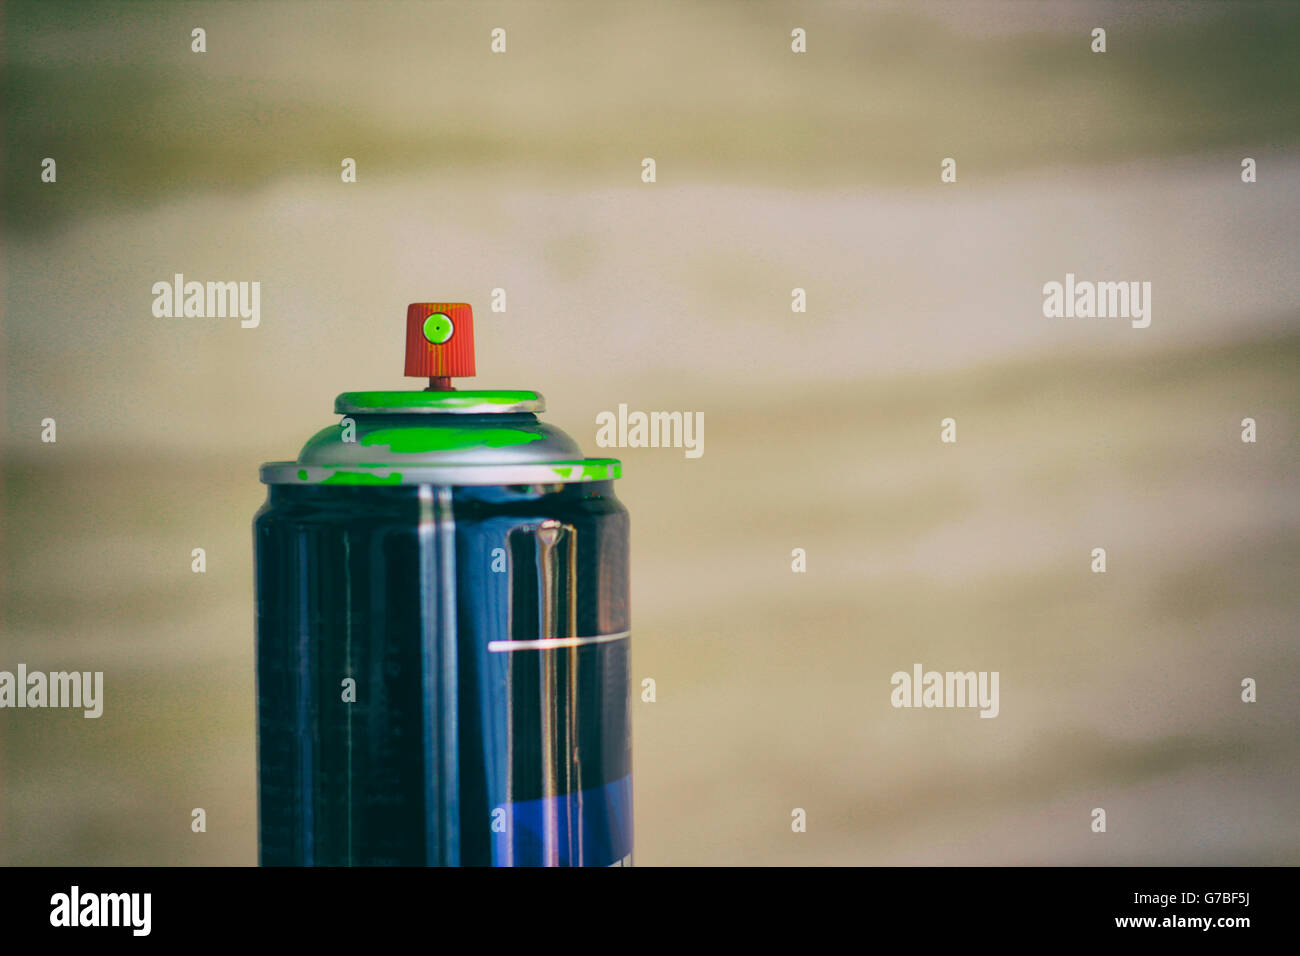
(547, 643)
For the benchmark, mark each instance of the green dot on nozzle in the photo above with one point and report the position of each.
(438, 328)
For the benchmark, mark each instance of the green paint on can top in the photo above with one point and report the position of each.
(418, 441)
(455, 438)
(437, 401)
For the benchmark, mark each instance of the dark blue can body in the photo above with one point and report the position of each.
(443, 675)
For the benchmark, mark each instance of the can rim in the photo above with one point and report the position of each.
(393, 473)
(496, 401)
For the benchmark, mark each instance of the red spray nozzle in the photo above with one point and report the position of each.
(439, 342)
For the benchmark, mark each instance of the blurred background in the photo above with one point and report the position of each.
(775, 170)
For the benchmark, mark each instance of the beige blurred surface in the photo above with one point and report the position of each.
(822, 430)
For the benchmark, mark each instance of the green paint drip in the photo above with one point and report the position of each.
(302, 474)
(592, 469)
(362, 478)
(415, 441)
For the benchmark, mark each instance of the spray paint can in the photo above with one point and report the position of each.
(442, 631)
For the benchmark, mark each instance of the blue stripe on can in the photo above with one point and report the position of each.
(583, 828)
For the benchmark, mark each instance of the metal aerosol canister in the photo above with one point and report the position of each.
(442, 631)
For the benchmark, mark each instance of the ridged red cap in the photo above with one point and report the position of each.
(439, 347)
